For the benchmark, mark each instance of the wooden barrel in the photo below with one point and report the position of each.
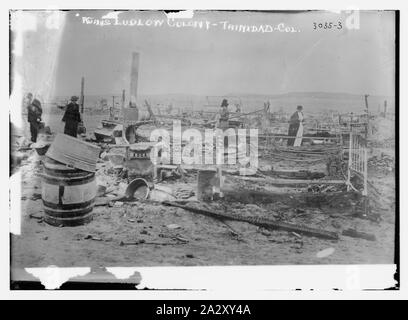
(68, 194)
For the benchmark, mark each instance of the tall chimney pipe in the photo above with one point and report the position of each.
(134, 74)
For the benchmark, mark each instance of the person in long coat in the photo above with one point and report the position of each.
(34, 118)
(72, 117)
(296, 127)
(223, 122)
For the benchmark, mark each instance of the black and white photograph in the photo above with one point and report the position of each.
(201, 138)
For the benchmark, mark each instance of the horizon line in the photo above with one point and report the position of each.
(235, 94)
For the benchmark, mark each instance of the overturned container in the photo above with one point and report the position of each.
(74, 152)
(138, 189)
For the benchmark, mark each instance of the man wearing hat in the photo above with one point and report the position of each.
(72, 117)
(34, 118)
(296, 128)
(223, 122)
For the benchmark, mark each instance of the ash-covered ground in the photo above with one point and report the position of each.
(167, 236)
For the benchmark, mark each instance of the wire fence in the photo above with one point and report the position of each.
(357, 161)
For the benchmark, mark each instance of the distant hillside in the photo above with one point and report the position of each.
(317, 95)
(311, 101)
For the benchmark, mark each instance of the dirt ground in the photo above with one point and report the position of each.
(204, 240)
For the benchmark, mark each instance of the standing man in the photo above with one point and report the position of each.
(34, 118)
(224, 115)
(72, 117)
(296, 128)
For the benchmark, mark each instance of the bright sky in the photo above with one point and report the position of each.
(217, 61)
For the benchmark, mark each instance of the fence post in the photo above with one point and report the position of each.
(350, 161)
(365, 191)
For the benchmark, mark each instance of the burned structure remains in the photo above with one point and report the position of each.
(323, 178)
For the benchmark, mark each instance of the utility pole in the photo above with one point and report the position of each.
(366, 102)
(385, 108)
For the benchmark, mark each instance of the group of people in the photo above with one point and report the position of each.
(72, 116)
(72, 119)
(295, 131)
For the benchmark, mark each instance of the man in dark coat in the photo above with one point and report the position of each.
(72, 117)
(294, 123)
(34, 118)
(223, 122)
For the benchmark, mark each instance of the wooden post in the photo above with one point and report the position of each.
(82, 98)
(127, 161)
(112, 109)
(366, 101)
(365, 160)
(385, 108)
(123, 113)
(219, 160)
(368, 118)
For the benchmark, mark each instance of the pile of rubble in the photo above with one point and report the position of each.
(385, 143)
(336, 166)
(382, 162)
(381, 129)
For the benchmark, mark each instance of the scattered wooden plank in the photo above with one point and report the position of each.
(307, 199)
(358, 234)
(122, 243)
(289, 182)
(261, 222)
